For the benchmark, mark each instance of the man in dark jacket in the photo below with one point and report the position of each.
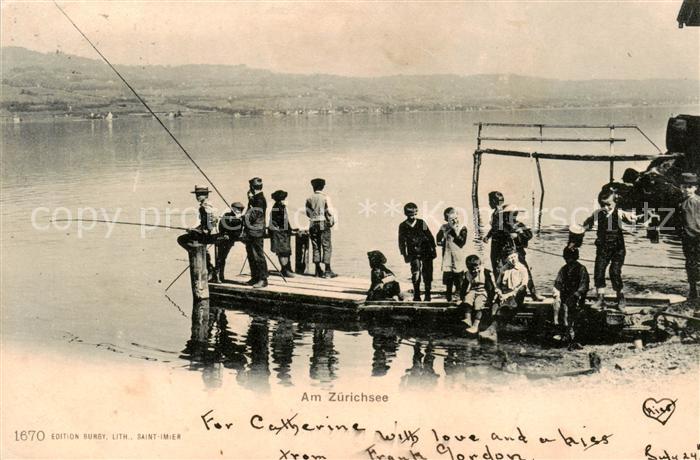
(254, 231)
(417, 246)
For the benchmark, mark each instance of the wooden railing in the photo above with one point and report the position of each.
(537, 156)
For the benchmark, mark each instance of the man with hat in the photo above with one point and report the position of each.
(254, 231)
(690, 231)
(230, 229)
(205, 232)
(321, 219)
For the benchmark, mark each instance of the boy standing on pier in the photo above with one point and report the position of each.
(417, 246)
(254, 222)
(321, 219)
(690, 231)
(452, 236)
(610, 244)
(498, 242)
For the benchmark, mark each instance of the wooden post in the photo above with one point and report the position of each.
(612, 152)
(199, 274)
(539, 214)
(475, 193)
(200, 322)
(475, 184)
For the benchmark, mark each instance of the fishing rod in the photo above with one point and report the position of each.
(120, 223)
(172, 136)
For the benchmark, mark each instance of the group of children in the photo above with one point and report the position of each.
(503, 288)
(465, 277)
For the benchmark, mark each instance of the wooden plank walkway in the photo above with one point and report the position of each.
(341, 293)
(347, 295)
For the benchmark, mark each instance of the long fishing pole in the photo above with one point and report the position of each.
(120, 223)
(177, 277)
(172, 136)
(144, 104)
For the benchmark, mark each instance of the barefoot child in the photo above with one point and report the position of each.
(570, 289)
(478, 292)
(384, 285)
(610, 244)
(452, 236)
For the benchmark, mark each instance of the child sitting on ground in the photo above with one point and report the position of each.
(570, 289)
(478, 292)
(384, 285)
(610, 244)
(452, 236)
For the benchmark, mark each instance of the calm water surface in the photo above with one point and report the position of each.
(102, 294)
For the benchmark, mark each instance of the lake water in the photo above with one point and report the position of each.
(100, 294)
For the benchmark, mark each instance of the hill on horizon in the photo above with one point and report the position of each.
(34, 81)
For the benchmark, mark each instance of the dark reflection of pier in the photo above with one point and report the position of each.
(259, 349)
(324, 361)
(422, 372)
(282, 348)
(385, 343)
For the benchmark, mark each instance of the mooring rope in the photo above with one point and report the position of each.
(657, 267)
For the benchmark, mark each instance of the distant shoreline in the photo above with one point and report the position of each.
(45, 115)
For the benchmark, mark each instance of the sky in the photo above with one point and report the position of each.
(573, 40)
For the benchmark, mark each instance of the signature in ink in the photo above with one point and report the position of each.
(660, 410)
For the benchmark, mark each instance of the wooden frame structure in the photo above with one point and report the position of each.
(537, 156)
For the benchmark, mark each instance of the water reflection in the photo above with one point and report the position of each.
(256, 374)
(409, 354)
(282, 343)
(324, 361)
(385, 343)
(422, 372)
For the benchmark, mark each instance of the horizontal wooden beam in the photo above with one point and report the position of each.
(540, 125)
(573, 157)
(554, 139)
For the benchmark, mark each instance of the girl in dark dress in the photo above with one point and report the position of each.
(384, 285)
(281, 233)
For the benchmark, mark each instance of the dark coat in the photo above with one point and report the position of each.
(254, 219)
(280, 231)
(380, 290)
(416, 242)
(573, 282)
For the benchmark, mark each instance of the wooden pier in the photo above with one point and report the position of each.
(342, 294)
